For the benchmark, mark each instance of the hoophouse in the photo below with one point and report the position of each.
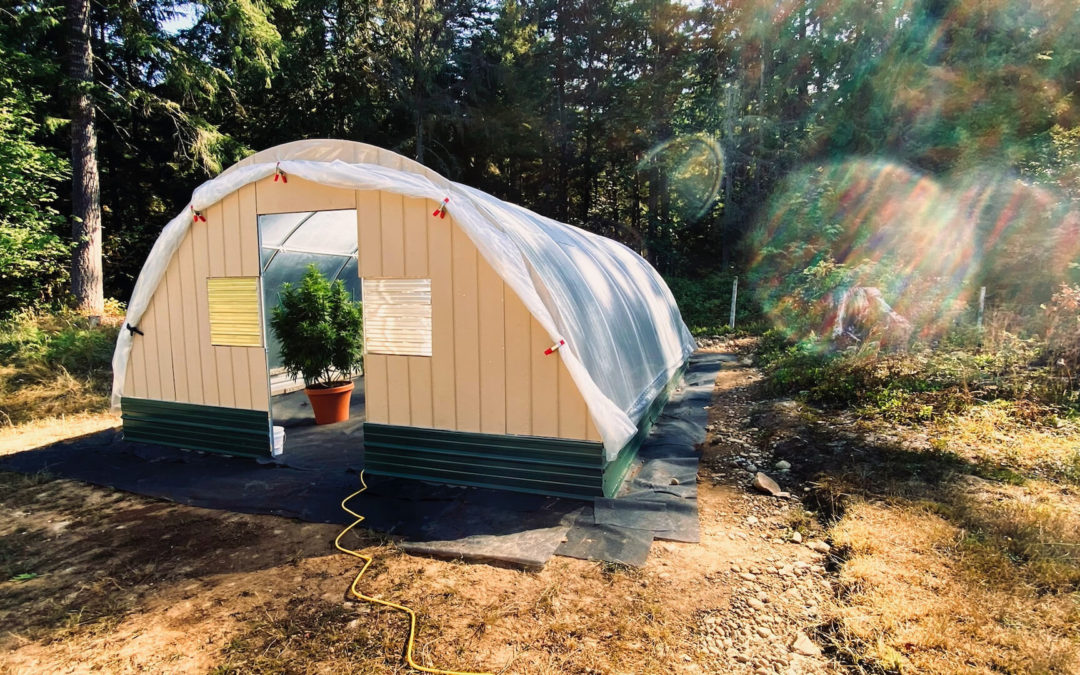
(502, 348)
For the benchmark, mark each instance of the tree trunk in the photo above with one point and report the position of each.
(86, 277)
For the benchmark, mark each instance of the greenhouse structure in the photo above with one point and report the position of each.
(501, 348)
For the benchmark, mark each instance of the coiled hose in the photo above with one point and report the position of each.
(367, 598)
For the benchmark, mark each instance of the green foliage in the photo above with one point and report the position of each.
(61, 340)
(705, 303)
(320, 329)
(33, 256)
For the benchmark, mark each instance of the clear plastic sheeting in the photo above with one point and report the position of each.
(623, 332)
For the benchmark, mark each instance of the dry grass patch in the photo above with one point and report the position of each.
(1016, 435)
(921, 594)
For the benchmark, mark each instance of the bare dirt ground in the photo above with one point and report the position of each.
(98, 580)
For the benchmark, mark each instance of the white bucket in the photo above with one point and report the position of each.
(279, 441)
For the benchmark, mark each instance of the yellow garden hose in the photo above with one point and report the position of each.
(367, 598)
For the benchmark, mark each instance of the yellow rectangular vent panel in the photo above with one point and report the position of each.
(234, 311)
(397, 316)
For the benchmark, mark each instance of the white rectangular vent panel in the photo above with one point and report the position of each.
(397, 316)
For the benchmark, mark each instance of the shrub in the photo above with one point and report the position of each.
(320, 330)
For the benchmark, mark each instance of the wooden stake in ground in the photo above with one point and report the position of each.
(982, 303)
(86, 278)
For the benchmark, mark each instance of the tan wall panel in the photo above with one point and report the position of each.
(260, 382)
(238, 374)
(545, 383)
(591, 432)
(444, 412)
(393, 234)
(466, 332)
(200, 236)
(178, 328)
(162, 354)
(420, 403)
(215, 218)
(517, 327)
(249, 233)
(417, 212)
(397, 390)
(572, 410)
(376, 395)
(145, 351)
(300, 195)
(193, 355)
(369, 233)
(492, 350)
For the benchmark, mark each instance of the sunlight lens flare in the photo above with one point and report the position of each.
(926, 245)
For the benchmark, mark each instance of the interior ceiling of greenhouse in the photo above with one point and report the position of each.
(290, 242)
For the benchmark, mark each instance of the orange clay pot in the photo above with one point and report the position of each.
(331, 404)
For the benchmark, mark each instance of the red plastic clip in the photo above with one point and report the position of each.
(278, 173)
(551, 350)
(441, 211)
(196, 216)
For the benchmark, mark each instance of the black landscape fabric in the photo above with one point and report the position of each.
(321, 467)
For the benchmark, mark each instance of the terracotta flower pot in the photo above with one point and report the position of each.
(331, 404)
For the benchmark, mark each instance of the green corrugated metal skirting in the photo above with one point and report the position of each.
(549, 466)
(231, 431)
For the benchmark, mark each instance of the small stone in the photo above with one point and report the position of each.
(746, 576)
(762, 631)
(783, 465)
(763, 483)
(751, 520)
(796, 537)
(805, 646)
(756, 604)
(742, 658)
(819, 546)
(353, 624)
(674, 481)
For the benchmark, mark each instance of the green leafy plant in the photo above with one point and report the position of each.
(320, 328)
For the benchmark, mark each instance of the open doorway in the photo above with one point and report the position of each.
(289, 243)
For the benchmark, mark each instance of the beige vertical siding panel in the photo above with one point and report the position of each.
(215, 219)
(591, 432)
(249, 233)
(260, 383)
(375, 390)
(369, 233)
(163, 339)
(148, 347)
(392, 207)
(234, 267)
(517, 326)
(440, 265)
(129, 374)
(189, 290)
(200, 239)
(545, 383)
(466, 332)
(417, 213)
(259, 398)
(178, 327)
(420, 402)
(572, 410)
(492, 342)
(397, 390)
(300, 195)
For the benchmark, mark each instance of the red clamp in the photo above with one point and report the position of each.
(278, 173)
(196, 216)
(551, 350)
(441, 211)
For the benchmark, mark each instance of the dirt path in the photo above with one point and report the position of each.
(122, 583)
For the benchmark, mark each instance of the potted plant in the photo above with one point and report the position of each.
(320, 328)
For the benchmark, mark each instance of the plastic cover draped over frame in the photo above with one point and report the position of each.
(624, 335)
